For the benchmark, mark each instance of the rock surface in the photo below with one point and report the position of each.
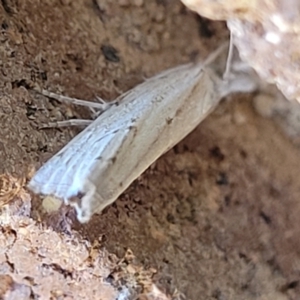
(217, 217)
(267, 34)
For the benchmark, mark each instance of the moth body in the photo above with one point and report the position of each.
(106, 157)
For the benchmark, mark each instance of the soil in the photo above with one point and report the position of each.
(217, 217)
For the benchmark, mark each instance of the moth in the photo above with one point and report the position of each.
(134, 131)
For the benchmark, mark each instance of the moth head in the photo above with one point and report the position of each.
(240, 78)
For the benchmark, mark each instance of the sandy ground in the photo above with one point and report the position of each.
(217, 217)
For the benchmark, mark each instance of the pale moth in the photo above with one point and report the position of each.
(134, 131)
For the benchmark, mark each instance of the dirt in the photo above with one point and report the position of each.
(214, 218)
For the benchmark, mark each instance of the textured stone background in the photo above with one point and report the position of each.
(266, 33)
(217, 217)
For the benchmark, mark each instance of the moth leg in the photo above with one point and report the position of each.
(67, 123)
(102, 106)
(100, 100)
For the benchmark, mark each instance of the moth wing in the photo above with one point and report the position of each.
(64, 174)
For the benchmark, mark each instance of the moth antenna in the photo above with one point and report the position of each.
(229, 58)
(212, 57)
